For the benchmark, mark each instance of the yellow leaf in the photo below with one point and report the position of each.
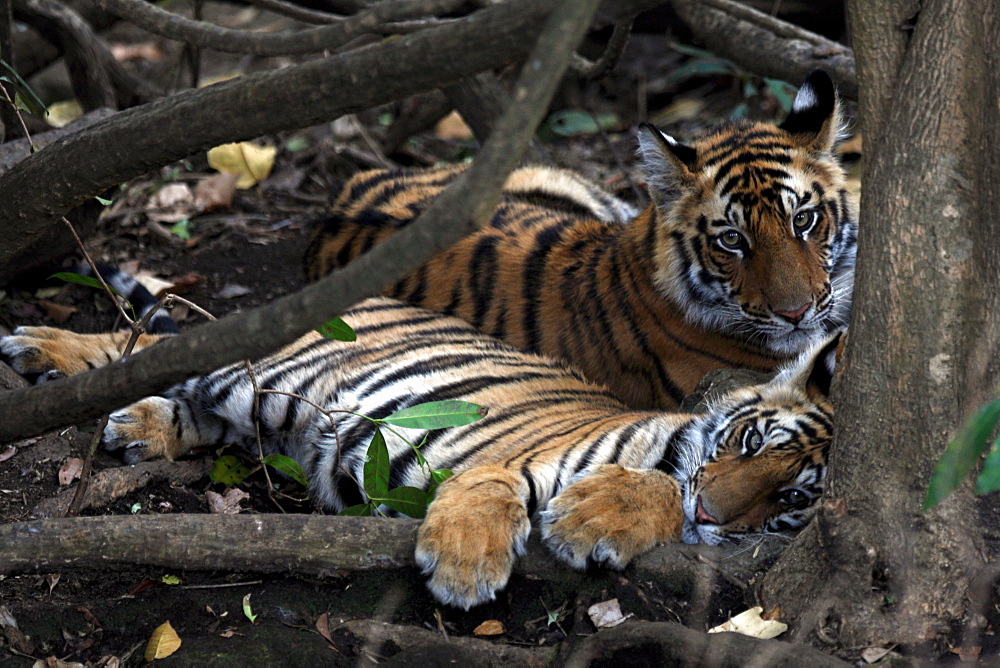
(63, 113)
(163, 642)
(750, 623)
(249, 162)
(491, 627)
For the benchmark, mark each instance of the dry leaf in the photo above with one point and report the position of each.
(216, 192)
(606, 614)
(8, 453)
(109, 662)
(232, 291)
(682, 110)
(491, 627)
(873, 654)
(143, 51)
(63, 113)
(323, 626)
(162, 643)
(53, 662)
(749, 623)
(52, 579)
(172, 203)
(70, 471)
(453, 127)
(57, 312)
(970, 653)
(249, 162)
(226, 504)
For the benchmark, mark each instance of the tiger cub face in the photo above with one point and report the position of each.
(757, 232)
(757, 461)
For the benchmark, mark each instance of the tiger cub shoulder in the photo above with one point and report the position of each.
(743, 258)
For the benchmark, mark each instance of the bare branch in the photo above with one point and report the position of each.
(288, 42)
(461, 207)
(765, 45)
(613, 50)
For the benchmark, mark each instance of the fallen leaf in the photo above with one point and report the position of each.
(142, 51)
(216, 191)
(186, 282)
(249, 162)
(970, 653)
(172, 203)
(57, 312)
(63, 113)
(247, 612)
(226, 504)
(232, 291)
(684, 109)
(7, 619)
(162, 643)
(873, 654)
(8, 453)
(230, 632)
(53, 662)
(453, 127)
(323, 627)
(52, 579)
(108, 662)
(750, 623)
(48, 293)
(88, 615)
(70, 471)
(606, 614)
(491, 627)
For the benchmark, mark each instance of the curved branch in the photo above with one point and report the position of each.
(460, 208)
(765, 45)
(297, 12)
(44, 186)
(287, 42)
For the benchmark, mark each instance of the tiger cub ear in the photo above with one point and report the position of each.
(816, 120)
(813, 371)
(666, 163)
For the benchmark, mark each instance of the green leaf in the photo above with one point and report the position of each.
(376, 472)
(962, 454)
(575, 122)
(358, 510)
(289, 467)
(182, 229)
(438, 476)
(410, 501)
(437, 415)
(32, 103)
(104, 202)
(699, 68)
(989, 477)
(337, 329)
(247, 611)
(170, 580)
(89, 281)
(782, 91)
(229, 470)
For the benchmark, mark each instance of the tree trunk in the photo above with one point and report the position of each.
(923, 350)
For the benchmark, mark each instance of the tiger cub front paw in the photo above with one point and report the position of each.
(612, 516)
(475, 529)
(148, 429)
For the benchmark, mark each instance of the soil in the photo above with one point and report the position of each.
(245, 255)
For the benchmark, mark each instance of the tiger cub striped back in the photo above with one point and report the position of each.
(606, 483)
(744, 258)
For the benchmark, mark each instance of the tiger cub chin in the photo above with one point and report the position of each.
(605, 483)
(743, 259)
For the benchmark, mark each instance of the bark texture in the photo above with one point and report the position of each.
(924, 346)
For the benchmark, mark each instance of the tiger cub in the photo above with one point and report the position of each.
(605, 482)
(744, 258)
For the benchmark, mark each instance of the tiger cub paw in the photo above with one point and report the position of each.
(612, 515)
(474, 530)
(145, 430)
(52, 353)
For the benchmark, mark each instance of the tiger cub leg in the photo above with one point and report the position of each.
(160, 428)
(54, 353)
(475, 529)
(613, 515)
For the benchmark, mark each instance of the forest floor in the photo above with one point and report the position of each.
(246, 254)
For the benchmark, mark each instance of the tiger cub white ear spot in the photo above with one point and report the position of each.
(805, 98)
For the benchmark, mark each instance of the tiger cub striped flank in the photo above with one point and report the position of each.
(744, 258)
(606, 483)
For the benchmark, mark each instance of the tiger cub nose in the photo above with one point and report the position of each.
(794, 315)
